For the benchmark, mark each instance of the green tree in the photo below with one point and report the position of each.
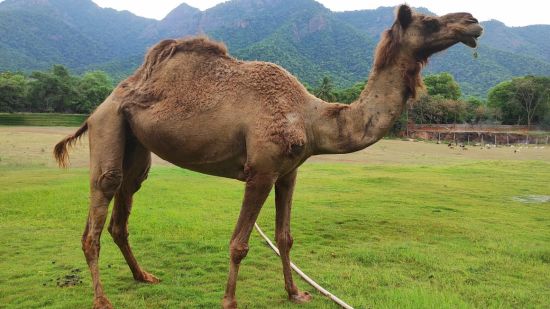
(92, 89)
(53, 91)
(423, 111)
(13, 92)
(444, 85)
(533, 95)
(437, 109)
(501, 97)
(325, 91)
(454, 111)
(477, 111)
(348, 95)
(522, 100)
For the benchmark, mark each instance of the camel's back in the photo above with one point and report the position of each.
(188, 77)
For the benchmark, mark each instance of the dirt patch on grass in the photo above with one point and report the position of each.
(71, 279)
(532, 199)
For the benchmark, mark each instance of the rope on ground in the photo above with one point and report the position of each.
(301, 273)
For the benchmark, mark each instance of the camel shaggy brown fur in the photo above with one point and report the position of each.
(195, 106)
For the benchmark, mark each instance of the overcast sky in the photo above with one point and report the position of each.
(512, 13)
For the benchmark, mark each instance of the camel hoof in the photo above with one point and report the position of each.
(229, 304)
(301, 298)
(147, 278)
(102, 302)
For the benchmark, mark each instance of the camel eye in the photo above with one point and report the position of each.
(431, 25)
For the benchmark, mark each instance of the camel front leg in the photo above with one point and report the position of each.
(257, 189)
(284, 188)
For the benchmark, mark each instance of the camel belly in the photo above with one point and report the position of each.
(233, 169)
(209, 156)
(202, 144)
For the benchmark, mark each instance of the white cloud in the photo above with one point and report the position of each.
(512, 13)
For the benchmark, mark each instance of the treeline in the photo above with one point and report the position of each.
(53, 91)
(519, 101)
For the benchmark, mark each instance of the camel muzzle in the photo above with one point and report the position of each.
(471, 36)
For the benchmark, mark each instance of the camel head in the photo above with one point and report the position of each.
(415, 37)
(422, 36)
(426, 35)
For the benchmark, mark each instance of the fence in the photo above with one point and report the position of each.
(482, 134)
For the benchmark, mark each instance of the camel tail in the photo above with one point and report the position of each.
(61, 150)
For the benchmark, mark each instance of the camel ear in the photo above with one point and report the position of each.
(404, 16)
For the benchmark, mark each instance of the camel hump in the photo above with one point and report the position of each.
(165, 49)
(200, 44)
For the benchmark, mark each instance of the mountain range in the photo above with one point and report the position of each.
(301, 35)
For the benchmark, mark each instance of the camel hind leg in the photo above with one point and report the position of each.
(136, 164)
(107, 137)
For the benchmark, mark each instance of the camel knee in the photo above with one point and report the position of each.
(284, 240)
(238, 252)
(110, 181)
(120, 235)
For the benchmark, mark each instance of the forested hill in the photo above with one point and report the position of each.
(301, 35)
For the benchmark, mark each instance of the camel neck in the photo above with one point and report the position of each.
(348, 128)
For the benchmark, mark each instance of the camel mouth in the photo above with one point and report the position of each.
(471, 37)
(470, 41)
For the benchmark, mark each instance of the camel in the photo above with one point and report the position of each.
(197, 107)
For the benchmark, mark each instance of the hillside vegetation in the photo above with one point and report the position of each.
(303, 36)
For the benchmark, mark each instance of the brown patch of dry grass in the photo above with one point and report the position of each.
(26, 146)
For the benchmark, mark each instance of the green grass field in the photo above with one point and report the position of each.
(378, 235)
(41, 119)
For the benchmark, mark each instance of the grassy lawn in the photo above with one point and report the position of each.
(41, 119)
(380, 235)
